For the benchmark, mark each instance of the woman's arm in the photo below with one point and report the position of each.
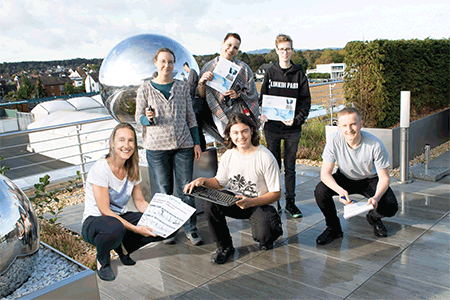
(101, 196)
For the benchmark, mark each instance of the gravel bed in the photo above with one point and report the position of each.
(49, 268)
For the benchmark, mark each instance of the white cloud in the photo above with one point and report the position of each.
(55, 29)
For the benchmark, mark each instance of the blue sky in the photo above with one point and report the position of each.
(42, 30)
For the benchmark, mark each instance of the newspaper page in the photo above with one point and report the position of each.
(355, 209)
(278, 108)
(225, 73)
(165, 214)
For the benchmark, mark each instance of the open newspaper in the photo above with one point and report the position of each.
(278, 108)
(225, 73)
(165, 214)
(355, 209)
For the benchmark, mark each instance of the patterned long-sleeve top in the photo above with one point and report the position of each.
(244, 84)
(174, 117)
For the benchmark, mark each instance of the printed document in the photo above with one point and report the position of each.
(278, 108)
(355, 209)
(225, 73)
(165, 214)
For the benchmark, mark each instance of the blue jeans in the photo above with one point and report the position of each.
(291, 140)
(174, 167)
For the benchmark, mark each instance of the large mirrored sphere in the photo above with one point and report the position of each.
(129, 64)
(19, 236)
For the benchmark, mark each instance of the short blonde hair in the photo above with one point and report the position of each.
(283, 38)
(348, 111)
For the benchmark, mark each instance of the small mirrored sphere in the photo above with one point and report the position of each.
(129, 64)
(19, 236)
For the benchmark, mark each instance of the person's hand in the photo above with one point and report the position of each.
(373, 201)
(149, 114)
(244, 202)
(288, 122)
(144, 231)
(207, 76)
(232, 94)
(197, 152)
(344, 198)
(263, 118)
(197, 182)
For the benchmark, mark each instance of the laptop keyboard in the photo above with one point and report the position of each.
(215, 196)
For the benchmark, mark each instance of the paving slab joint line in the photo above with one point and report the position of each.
(401, 252)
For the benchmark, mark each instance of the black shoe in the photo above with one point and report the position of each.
(292, 209)
(221, 255)
(105, 272)
(378, 227)
(127, 260)
(266, 246)
(329, 235)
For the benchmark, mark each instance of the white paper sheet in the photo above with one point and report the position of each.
(355, 209)
(225, 73)
(165, 214)
(278, 108)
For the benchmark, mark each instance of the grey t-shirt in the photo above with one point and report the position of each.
(358, 163)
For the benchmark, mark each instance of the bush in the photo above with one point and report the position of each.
(378, 71)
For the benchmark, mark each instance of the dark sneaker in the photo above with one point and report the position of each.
(221, 255)
(378, 227)
(266, 246)
(293, 210)
(194, 238)
(105, 272)
(127, 260)
(329, 235)
(124, 258)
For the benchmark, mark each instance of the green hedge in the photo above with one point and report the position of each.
(378, 71)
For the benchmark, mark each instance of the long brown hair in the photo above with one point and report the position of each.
(131, 164)
(240, 118)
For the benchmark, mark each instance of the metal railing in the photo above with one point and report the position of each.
(19, 148)
(327, 99)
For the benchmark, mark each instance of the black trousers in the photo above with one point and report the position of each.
(265, 222)
(387, 206)
(107, 233)
(203, 115)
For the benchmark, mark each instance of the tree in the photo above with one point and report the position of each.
(68, 88)
(25, 90)
(311, 56)
(39, 91)
(271, 56)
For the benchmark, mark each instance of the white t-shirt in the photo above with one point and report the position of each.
(252, 176)
(119, 190)
(361, 162)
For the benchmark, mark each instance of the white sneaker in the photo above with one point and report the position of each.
(195, 238)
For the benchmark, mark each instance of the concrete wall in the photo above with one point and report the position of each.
(433, 130)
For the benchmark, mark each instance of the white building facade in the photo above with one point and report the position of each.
(336, 70)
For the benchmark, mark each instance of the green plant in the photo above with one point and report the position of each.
(313, 140)
(46, 201)
(3, 169)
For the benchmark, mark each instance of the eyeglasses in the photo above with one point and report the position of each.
(169, 62)
(285, 49)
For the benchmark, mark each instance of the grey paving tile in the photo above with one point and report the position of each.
(142, 282)
(246, 282)
(365, 252)
(385, 285)
(323, 272)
